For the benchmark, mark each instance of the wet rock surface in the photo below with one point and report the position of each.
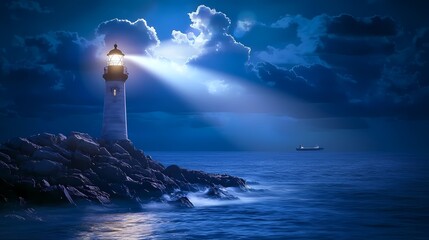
(55, 169)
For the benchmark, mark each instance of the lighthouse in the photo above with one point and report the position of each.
(115, 110)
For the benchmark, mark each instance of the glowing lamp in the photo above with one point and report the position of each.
(115, 69)
(115, 57)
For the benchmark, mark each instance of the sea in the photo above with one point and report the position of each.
(291, 195)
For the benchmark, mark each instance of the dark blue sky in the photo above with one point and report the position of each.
(223, 75)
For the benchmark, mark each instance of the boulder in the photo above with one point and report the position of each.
(227, 181)
(23, 145)
(75, 193)
(131, 149)
(110, 173)
(71, 181)
(43, 139)
(67, 194)
(122, 156)
(167, 181)
(116, 148)
(54, 194)
(46, 153)
(146, 189)
(202, 178)
(215, 192)
(64, 152)
(104, 152)
(44, 183)
(94, 193)
(25, 187)
(20, 158)
(80, 161)
(61, 138)
(106, 159)
(92, 176)
(175, 172)
(182, 202)
(5, 158)
(120, 190)
(155, 165)
(42, 167)
(83, 142)
(4, 169)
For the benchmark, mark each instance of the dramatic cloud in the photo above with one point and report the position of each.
(302, 51)
(134, 37)
(347, 25)
(27, 5)
(217, 49)
(314, 83)
(46, 71)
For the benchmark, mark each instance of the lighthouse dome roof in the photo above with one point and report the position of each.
(115, 51)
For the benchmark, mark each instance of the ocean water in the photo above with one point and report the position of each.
(299, 195)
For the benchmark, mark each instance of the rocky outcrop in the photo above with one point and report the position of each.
(53, 169)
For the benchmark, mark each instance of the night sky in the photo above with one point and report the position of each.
(223, 75)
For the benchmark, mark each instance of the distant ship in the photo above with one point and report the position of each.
(302, 148)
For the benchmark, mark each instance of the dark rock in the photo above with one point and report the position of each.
(64, 152)
(94, 193)
(83, 142)
(23, 145)
(5, 158)
(182, 202)
(215, 192)
(4, 169)
(120, 190)
(49, 155)
(67, 194)
(20, 158)
(43, 139)
(156, 165)
(107, 159)
(71, 181)
(116, 148)
(80, 161)
(146, 189)
(104, 152)
(110, 173)
(78, 167)
(75, 194)
(44, 183)
(42, 167)
(168, 182)
(92, 176)
(25, 187)
(131, 149)
(122, 156)
(198, 177)
(175, 172)
(61, 138)
(54, 195)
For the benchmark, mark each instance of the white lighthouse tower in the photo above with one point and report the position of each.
(115, 110)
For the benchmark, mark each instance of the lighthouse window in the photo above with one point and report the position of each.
(114, 92)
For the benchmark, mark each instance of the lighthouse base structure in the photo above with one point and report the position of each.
(114, 117)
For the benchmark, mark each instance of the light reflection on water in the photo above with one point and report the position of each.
(119, 225)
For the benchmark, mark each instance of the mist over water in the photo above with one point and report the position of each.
(315, 195)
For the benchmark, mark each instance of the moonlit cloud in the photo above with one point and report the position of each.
(136, 36)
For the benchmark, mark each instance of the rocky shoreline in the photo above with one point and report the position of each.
(46, 169)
